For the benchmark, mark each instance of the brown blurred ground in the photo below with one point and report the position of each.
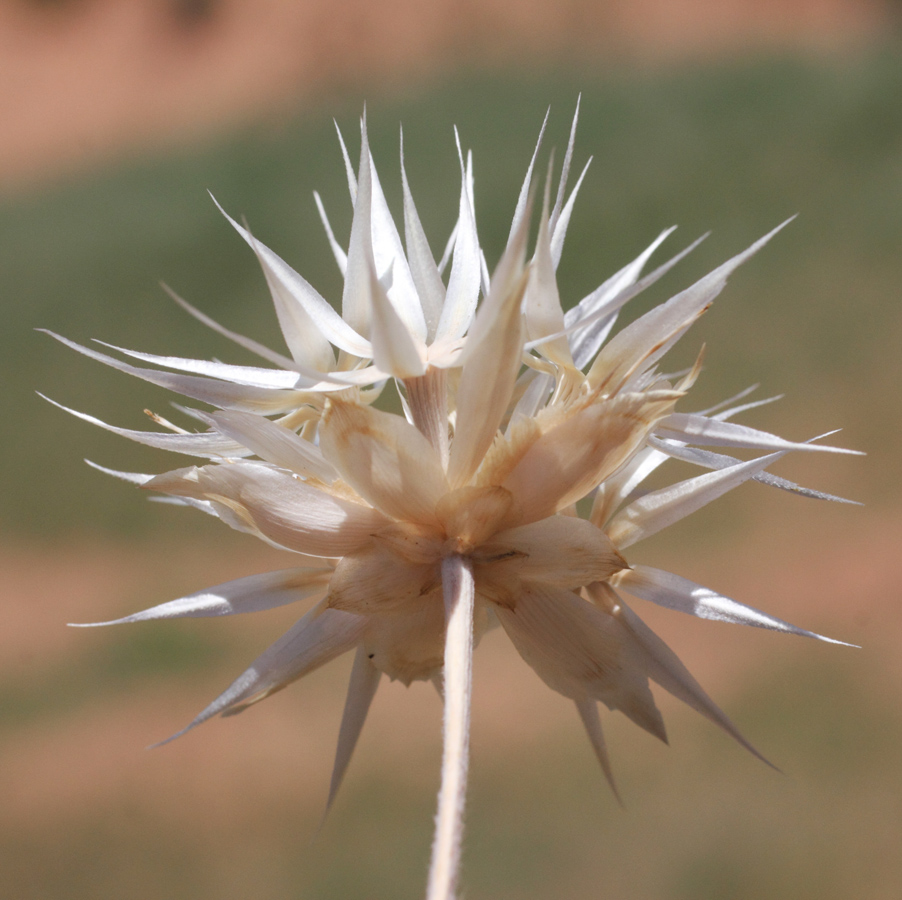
(83, 79)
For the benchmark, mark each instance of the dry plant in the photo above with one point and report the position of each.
(418, 531)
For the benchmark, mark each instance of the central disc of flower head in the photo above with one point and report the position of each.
(468, 522)
(402, 564)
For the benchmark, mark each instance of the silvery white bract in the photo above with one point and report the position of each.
(418, 532)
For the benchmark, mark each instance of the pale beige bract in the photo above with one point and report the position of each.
(419, 531)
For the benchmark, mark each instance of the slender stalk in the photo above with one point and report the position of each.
(458, 586)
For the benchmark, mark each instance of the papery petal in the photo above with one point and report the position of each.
(410, 645)
(696, 429)
(647, 339)
(711, 460)
(559, 226)
(395, 349)
(138, 478)
(385, 459)
(649, 514)
(341, 258)
(569, 460)
(581, 652)
(542, 303)
(449, 249)
(349, 169)
(249, 375)
(275, 444)
(376, 581)
(563, 551)
(664, 668)
(251, 594)
(361, 690)
(533, 398)
(725, 414)
(724, 403)
(208, 444)
(279, 506)
(674, 592)
(207, 390)
(423, 269)
(491, 361)
(308, 345)
(203, 506)
(614, 490)
(588, 330)
(560, 215)
(416, 544)
(375, 247)
(248, 343)
(521, 211)
(466, 274)
(592, 318)
(324, 318)
(298, 377)
(355, 300)
(314, 640)
(471, 515)
(388, 254)
(588, 712)
(565, 168)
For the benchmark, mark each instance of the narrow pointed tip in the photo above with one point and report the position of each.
(588, 712)
(782, 225)
(828, 640)
(737, 736)
(53, 334)
(757, 245)
(460, 152)
(763, 758)
(319, 828)
(170, 739)
(324, 817)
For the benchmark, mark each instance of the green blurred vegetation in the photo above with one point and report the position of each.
(734, 149)
(124, 659)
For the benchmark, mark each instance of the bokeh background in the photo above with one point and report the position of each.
(116, 117)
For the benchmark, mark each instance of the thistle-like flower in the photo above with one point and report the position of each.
(418, 532)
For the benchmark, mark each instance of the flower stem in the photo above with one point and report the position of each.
(458, 586)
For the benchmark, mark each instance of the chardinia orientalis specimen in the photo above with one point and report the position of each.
(417, 532)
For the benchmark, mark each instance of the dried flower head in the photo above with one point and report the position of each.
(418, 532)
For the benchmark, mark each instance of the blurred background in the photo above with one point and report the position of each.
(116, 118)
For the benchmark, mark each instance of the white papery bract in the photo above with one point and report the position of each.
(416, 532)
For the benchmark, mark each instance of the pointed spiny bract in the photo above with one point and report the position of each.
(514, 412)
